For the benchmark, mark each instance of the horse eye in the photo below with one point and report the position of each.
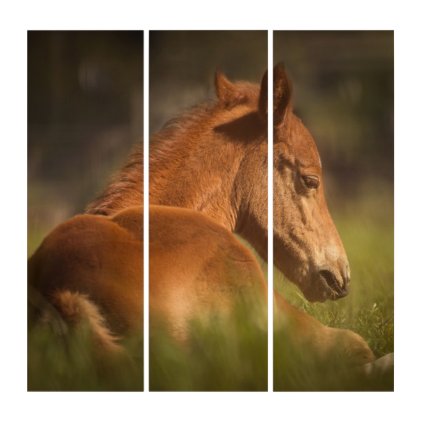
(311, 182)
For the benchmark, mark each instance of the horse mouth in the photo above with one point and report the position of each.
(326, 286)
(335, 288)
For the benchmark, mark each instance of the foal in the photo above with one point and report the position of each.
(207, 181)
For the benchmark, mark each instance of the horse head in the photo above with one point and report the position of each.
(307, 246)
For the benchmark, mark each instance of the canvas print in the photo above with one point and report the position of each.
(208, 211)
(333, 194)
(85, 108)
(333, 210)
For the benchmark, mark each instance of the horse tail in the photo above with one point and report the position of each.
(67, 310)
(77, 309)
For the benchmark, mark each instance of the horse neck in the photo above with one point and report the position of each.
(198, 174)
(254, 229)
(206, 173)
(193, 166)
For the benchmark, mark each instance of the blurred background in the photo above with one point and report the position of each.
(183, 64)
(343, 90)
(85, 111)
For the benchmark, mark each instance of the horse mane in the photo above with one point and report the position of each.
(125, 188)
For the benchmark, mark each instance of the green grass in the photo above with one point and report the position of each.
(68, 361)
(223, 353)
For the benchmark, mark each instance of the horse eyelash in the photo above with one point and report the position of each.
(311, 181)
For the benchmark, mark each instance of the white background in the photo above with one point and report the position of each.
(404, 17)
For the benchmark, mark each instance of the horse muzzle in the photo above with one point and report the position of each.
(327, 284)
(336, 285)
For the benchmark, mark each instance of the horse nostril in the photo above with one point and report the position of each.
(340, 287)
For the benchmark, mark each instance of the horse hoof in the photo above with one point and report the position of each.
(380, 367)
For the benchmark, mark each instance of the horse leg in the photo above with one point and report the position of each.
(325, 344)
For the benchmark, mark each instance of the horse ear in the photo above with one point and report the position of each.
(263, 97)
(282, 95)
(227, 92)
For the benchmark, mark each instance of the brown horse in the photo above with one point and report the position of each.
(208, 180)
